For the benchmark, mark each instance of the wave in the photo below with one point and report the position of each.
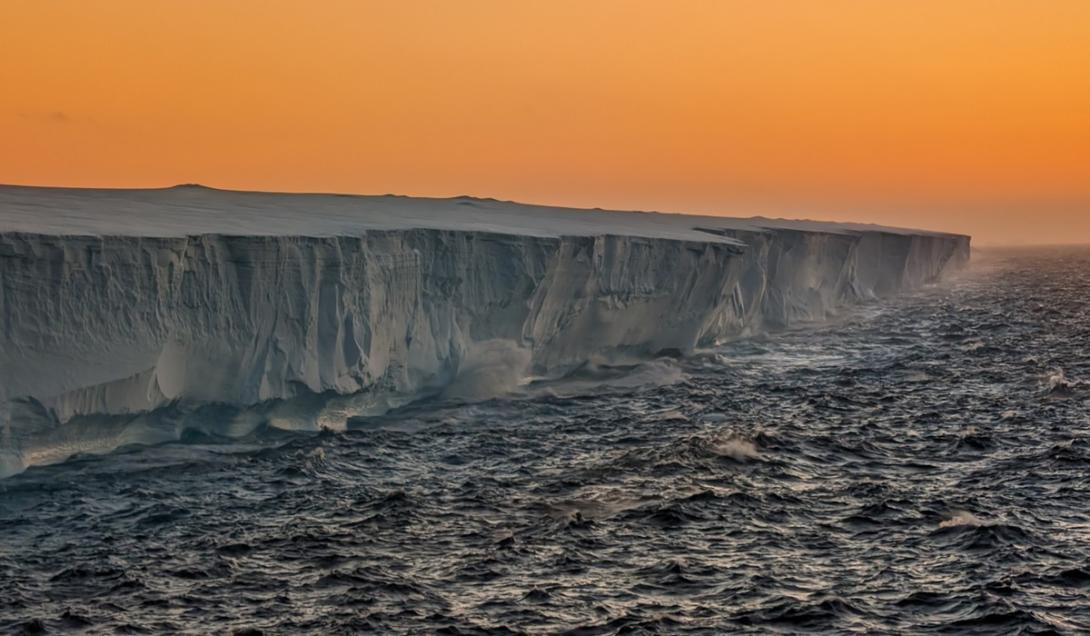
(737, 448)
(1057, 383)
(963, 518)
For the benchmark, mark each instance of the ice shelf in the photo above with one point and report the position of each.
(116, 303)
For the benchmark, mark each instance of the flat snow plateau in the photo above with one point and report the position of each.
(135, 315)
(191, 210)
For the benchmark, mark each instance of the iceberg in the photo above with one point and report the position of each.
(302, 310)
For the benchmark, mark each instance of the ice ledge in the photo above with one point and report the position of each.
(192, 209)
(305, 310)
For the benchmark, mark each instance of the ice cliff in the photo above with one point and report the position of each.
(302, 309)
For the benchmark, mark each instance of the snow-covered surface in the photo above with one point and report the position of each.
(306, 310)
(192, 210)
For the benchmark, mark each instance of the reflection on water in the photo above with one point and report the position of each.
(918, 467)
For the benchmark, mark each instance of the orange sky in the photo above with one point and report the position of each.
(966, 115)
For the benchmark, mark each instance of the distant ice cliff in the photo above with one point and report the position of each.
(320, 308)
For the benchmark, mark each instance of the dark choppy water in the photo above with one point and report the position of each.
(922, 467)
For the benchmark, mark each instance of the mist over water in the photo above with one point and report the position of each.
(918, 467)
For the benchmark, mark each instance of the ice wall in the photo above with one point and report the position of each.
(323, 328)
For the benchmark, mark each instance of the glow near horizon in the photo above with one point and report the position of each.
(966, 116)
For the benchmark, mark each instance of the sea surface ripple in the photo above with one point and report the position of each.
(919, 466)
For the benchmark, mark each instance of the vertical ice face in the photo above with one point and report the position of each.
(125, 324)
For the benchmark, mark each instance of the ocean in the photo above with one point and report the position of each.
(920, 465)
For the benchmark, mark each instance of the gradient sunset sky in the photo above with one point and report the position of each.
(961, 115)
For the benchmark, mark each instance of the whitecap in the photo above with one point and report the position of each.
(963, 518)
(737, 449)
